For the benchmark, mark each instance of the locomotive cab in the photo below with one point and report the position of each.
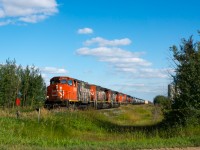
(62, 90)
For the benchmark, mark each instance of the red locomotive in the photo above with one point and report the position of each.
(67, 91)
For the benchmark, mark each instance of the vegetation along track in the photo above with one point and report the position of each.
(126, 127)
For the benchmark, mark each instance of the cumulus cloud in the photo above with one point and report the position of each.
(142, 88)
(48, 72)
(127, 61)
(152, 73)
(2, 14)
(123, 61)
(85, 31)
(33, 18)
(53, 70)
(106, 52)
(31, 11)
(104, 42)
(130, 85)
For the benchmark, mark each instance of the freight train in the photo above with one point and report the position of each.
(70, 92)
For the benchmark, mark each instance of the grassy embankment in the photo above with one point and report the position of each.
(127, 127)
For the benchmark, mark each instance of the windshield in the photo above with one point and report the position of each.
(55, 81)
(62, 81)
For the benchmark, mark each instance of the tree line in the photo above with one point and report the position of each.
(18, 82)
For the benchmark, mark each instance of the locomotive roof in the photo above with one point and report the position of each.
(58, 77)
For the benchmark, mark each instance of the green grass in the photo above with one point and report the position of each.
(127, 127)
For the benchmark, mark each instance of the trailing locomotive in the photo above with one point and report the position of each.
(67, 91)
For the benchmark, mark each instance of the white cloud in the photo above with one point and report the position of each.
(85, 31)
(33, 18)
(130, 85)
(44, 75)
(53, 70)
(106, 52)
(121, 60)
(3, 23)
(115, 56)
(126, 61)
(152, 73)
(103, 42)
(143, 88)
(31, 11)
(48, 72)
(141, 71)
(2, 14)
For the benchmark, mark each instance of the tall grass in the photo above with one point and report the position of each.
(127, 127)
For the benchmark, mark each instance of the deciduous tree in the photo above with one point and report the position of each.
(186, 103)
(14, 80)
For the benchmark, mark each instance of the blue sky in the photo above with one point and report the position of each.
(118, 44)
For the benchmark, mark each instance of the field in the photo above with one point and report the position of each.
(127, 127)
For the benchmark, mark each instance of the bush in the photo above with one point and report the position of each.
(162, 101)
